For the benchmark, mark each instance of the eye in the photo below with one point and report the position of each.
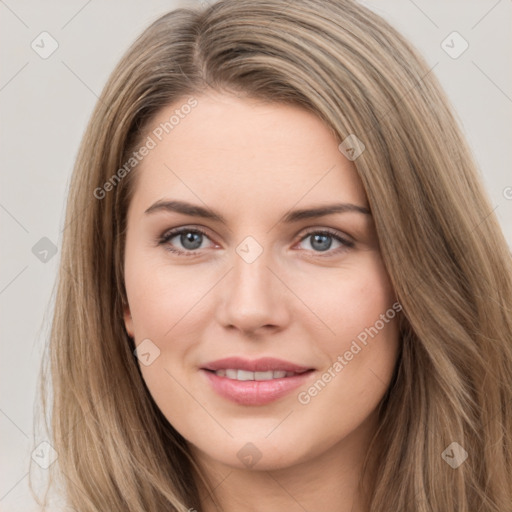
(191, 240)
(322, 241)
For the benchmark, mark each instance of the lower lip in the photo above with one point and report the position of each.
(255, 392)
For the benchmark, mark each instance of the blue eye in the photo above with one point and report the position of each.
(191, 241)
(322, 241)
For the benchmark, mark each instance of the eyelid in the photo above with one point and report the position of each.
(172, 232)
(330, 231)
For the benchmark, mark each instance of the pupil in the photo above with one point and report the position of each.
(325, 242)
(191, 240)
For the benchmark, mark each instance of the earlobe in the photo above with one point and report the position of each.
(128, 322)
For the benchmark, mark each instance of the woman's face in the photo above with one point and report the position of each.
(298, 300)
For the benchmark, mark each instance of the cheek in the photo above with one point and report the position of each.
(162, 307)
(359, 341)
(346, 302)
(160, 295)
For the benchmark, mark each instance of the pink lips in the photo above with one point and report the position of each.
(255, 392)
(263, 364)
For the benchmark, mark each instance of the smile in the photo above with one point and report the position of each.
(247, 375)
(255, 382)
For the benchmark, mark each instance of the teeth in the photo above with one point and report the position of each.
(263, 375)
(231, 374)
(245, 375)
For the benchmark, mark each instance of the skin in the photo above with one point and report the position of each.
(253, 162)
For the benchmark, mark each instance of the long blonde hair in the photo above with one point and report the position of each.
(441, 244)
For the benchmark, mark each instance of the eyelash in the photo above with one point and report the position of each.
(168, 235)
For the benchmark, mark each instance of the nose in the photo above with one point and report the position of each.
(252, 299)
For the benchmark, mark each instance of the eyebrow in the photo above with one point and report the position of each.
(290, 217)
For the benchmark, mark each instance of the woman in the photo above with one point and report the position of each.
(282, 284)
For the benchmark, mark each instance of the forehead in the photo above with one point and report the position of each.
(254, 153)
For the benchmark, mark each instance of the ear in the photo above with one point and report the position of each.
(128, 322)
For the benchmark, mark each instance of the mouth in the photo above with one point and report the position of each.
(244, 375)
(256, 382)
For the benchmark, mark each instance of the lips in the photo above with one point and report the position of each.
(256, 382)
(263, 364)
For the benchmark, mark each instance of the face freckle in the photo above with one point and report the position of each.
(262, 282)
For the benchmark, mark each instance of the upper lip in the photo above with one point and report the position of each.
(263, 364)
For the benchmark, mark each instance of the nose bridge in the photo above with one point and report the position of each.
(250, 277)
(252, 296)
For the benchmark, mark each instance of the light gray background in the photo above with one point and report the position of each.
(45, 105)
